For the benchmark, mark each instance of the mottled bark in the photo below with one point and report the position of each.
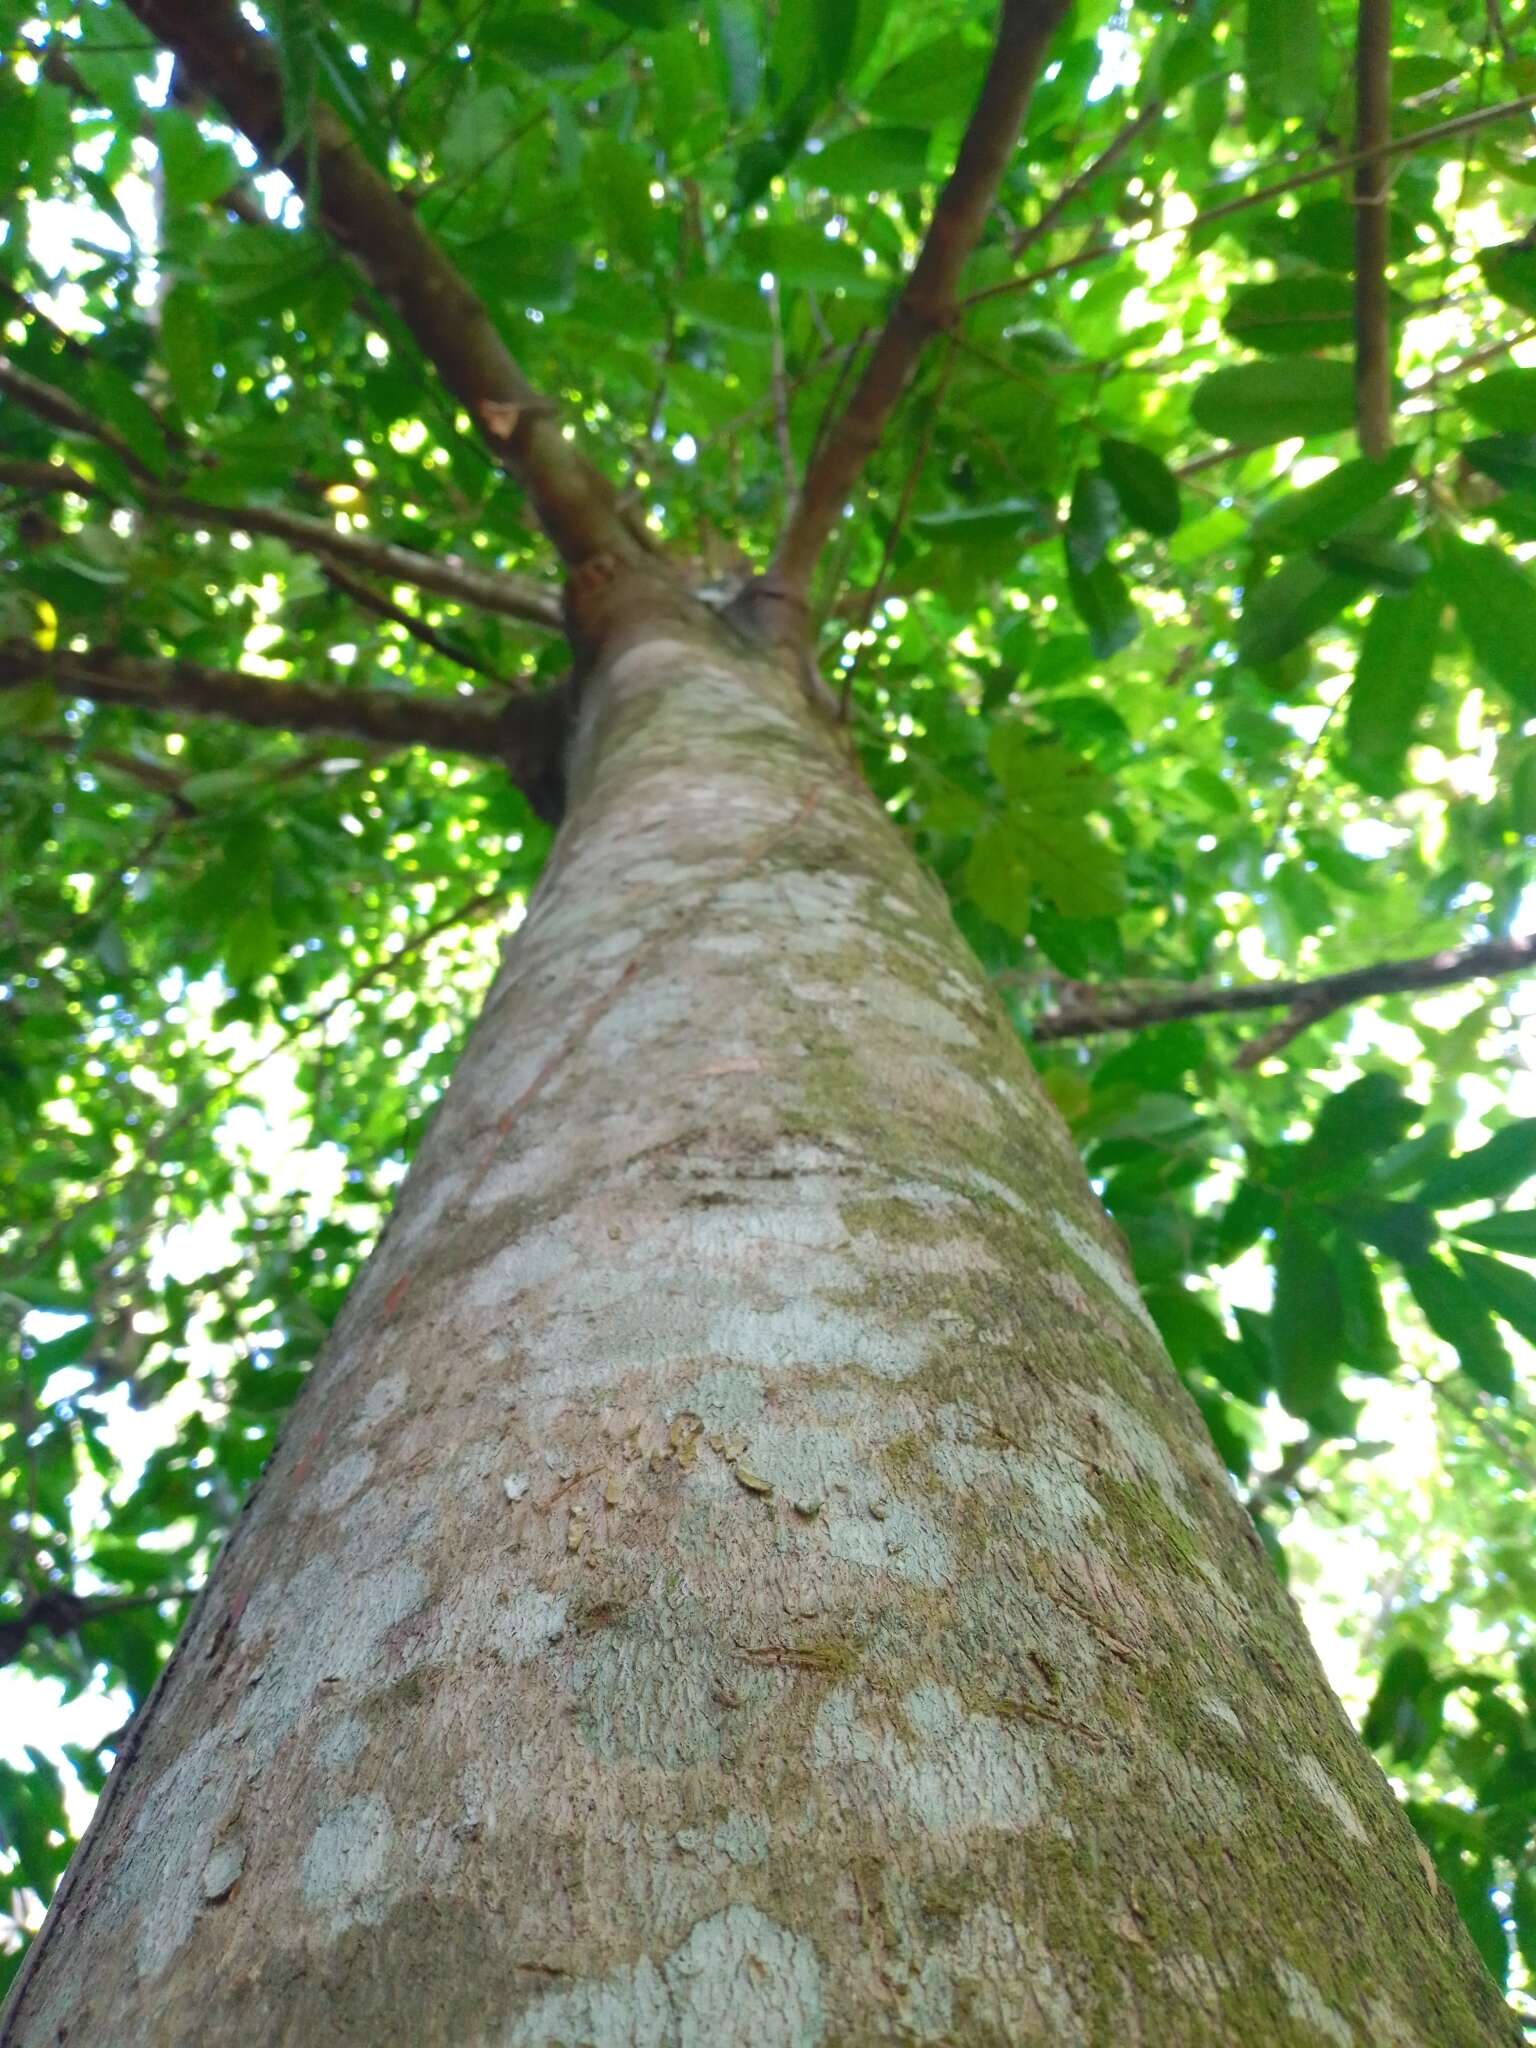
(744, 1570)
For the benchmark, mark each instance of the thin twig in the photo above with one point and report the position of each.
(490, 590)
(1328, 992)
(876, 594)
(1402, 145)
(780, 387)
(1116, 147)
(382, 607)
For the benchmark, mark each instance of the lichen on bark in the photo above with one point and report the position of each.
(744, 1569)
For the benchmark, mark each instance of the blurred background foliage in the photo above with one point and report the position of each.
(1167, 682)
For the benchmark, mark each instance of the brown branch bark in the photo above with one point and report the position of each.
(1402, 145)
(926, 304)
(61, 1614)
(238, 68)
(524, 734)
(491, 590)
(1317, 998)
(1373, 309)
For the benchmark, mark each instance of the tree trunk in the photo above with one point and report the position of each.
(744, 1570)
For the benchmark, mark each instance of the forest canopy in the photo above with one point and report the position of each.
(1183, 614)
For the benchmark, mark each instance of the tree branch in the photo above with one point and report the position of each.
(926, 303)
(1317, 998)
(59, 1613)
(1373, 308)
(238, 68)
(368, 599)
(491, 590)
(1402, 145)
(524, 734)
(1115, 148)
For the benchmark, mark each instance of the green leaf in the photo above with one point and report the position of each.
(1514, 1230)
(1104, 605)
(999, 879)
(1504, 400)
(885, 159)
(1274, 401)
(1508, 1290)
(617, 177)
(187, 343)
(938, 81)
(1496, 1168)
(644, 13)
(1307, 1321)
(1510, 459)
(1303, 518)
(740, 54)
(1392, 683)
(1360, 1121)
(1146, 487)
(1510, 274)
(296, 27)
(1495, 600)
(1284, 610)
(1460, 1319)
(1294, 315)
(1391, 564)
(1093, 520)
(1368, 1342)
(1045, 841)
(797, 254)
(1404, 1230)
(195, 170)
(1282, 53)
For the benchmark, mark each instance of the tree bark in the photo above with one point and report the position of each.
(744, 1570)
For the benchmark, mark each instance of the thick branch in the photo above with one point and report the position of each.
(514, 597)
(927, 301)
(525, 734)
(1316, 998)
(1373, 311)
(238, 68)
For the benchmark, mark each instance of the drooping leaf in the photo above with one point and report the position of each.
(1392, 682)
(1093, 520)
(1459, 1317)
(1295, 601)
(1104, 605)
(1495, 600)
(1146, 487)
(1307, 1321)
(1508, 1290)
(187, 339)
